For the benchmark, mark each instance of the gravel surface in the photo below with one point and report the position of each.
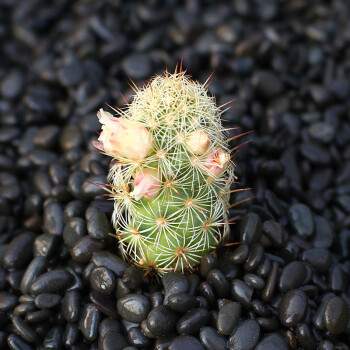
(62, 282)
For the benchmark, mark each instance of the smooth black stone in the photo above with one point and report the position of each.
(71, 74)
(58, 173)
(146, 331)
(192, 321)
(137, 66)
(113, 340)
(220, 283)
(83, 249)
(75, 183)
(89, 322)
(53, 218)
(132, 277)
(255, 257)
(300, 218)
(325, 345)
(271, 168)
(15, 342)
(182, 302)
(98, 226)
(53, 339)
(240, 254)
(46, 245)
(102, 280)
(260, 308)
(71, 306)
(19, 252)
(321, 132)
(137, 338)
(336, 315)
(269, 289)
(272, 341)
(304, 336)
(275, 231)
(41, 157)
(109, 324)
(208, 262)
(134, 307)
(245, 336)
(267, 84)
(323, 233)
(268, 324)
(74, 229)
(111, 261)
(337, 279)
(23, 308)
(242, 293)
(24, 330)
(250, 228)
(51, 281)
(7, 301)
(12, 84)
(292, 308)
(105, 304)
(14, 279)
(228, 317)
(42, 183)
(73, 209)
(254, 281)
(47, 136)
(37, 266)
(161, 321)
(91, 186)
(315, 153)
(71, 335)
(71, 138)
(157, 298)
(174, 283)
(47, 300)
(183, 342)
(207, 291)
(292, 276)
(211, 339)
(320, 259)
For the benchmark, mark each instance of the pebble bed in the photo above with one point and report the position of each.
(62, 282)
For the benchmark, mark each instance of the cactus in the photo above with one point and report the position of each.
(171, 175)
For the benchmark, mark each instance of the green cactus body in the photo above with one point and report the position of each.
(186, 215)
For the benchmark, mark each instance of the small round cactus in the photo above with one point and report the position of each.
(171, 175)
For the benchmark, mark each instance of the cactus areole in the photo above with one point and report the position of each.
(171, 173)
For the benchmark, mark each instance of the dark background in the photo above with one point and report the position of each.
(286, 64)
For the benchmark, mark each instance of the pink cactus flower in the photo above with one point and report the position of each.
(198, 142)
(216, 162)
(123, 137)
(146, 184)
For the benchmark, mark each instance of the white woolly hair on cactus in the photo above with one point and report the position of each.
(171, 176)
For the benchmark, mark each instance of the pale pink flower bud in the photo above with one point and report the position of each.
(123, 137)
(146, 184)
(198, 142)
(216, 162)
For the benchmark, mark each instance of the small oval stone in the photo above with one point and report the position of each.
(300, 218)
(71, 306)
(98, 225)
(7, 301)
(272, 341)
(89, 322)
(192, 321)
(20, 251)
(241, 292)
(254, 281)
(245, 336)
(183, 342)
(111, 261)
(137, 338)
(336, 315)
(292, 276)
(102, 280)
(292, 308)
(174, 283)
(161, 321)
(83, 249)
(211, 339)
(250, 228)
(319, 258)
(74, 229)
(220, 283)
(134, 307)
(24, 330)
(51, 281)
(182, 302)
(47, 300)
(228, 317)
